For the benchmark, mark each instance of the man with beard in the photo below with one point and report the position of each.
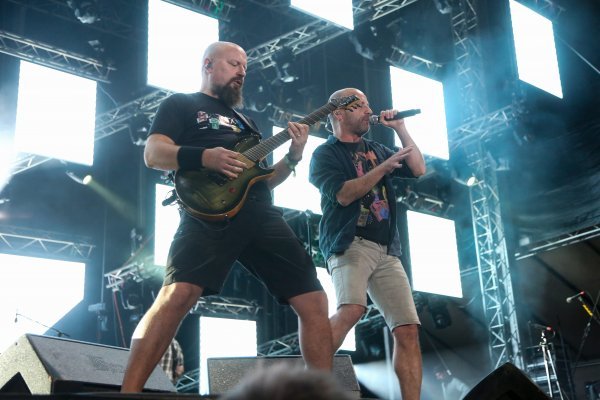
(193, 131)
(358, 234)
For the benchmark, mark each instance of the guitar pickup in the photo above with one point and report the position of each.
(217, 178)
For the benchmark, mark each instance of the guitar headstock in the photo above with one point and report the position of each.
(347, 103)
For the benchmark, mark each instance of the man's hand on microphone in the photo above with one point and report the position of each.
(386, 115)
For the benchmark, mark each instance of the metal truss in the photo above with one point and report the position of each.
(484, 127)
(468, 58)
(136, 271)
(215, 8)
(564, 240)
(225, 306)
(53, 57)
(401, 59)
(35, 242)
(493, 263)
(301, 39)
(488, 230)
(107, 124)
(319, 31)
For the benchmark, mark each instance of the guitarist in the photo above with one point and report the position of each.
(193, 131)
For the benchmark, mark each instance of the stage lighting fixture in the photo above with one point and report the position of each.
(410, 90)
(86, 11)
(438, 308)
(259, 98)
(284, 61)
(76, 178)
(443, 6)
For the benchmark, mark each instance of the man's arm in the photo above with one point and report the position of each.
(299, 134)
(415, 160)
(355, 189)
(163, 154)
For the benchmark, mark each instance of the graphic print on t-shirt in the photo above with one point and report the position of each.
(216, 121)
(374, 206)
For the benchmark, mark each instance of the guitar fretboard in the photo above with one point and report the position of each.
(265, 147)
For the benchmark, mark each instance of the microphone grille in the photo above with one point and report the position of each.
(374, 119)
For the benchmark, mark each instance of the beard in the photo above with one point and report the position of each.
(230, 95)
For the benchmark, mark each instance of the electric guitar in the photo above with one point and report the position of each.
(212, 196)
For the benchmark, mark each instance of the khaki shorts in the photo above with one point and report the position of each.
(365, 268)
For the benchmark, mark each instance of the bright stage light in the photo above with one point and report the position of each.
(535, 50)
(7, 157)
(337, 11)
(325, 279)
(166, 221)
(38, 289)
(56, 114)
(296, 192)
(433, 255)
(428, 129)
(177, 38)
(224, 337)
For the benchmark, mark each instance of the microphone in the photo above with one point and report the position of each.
(540, 327)
(374, 119)
(570, 299)
(16, 317)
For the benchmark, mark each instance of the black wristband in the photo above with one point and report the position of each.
(189, 157)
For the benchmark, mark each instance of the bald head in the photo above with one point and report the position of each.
(223, 72)
(350, 123)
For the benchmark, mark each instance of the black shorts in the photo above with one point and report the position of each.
(202, 253)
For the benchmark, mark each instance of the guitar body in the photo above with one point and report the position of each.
(211, 196)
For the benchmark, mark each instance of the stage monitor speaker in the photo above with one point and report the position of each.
(506, 383)
(226, 372)
(46, 365)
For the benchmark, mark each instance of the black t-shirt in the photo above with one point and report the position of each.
(374, 219)
(202, 121)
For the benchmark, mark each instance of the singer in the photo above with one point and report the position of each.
(358, 234)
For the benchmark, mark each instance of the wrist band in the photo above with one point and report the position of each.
(290, 164)
(189, 157)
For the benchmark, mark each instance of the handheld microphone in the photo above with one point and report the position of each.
(570, 299)
(374, 119)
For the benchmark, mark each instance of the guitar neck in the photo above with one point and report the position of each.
(267, 146)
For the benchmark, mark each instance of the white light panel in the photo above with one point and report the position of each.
(177, 38)
(56, 114)
(40, 290)
(166, 221)
(296, 192)
(224, 337)
(325, 279)
(433, 255)
(535, 50)
(428, 129)
(337, 11)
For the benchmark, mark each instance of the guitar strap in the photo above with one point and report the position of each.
(249, 123)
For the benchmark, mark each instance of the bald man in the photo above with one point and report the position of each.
(199, 130)
(358, 234)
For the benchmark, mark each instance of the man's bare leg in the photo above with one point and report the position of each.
(155, 331)
(407, 361)
(314, 331)
(342, 321)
